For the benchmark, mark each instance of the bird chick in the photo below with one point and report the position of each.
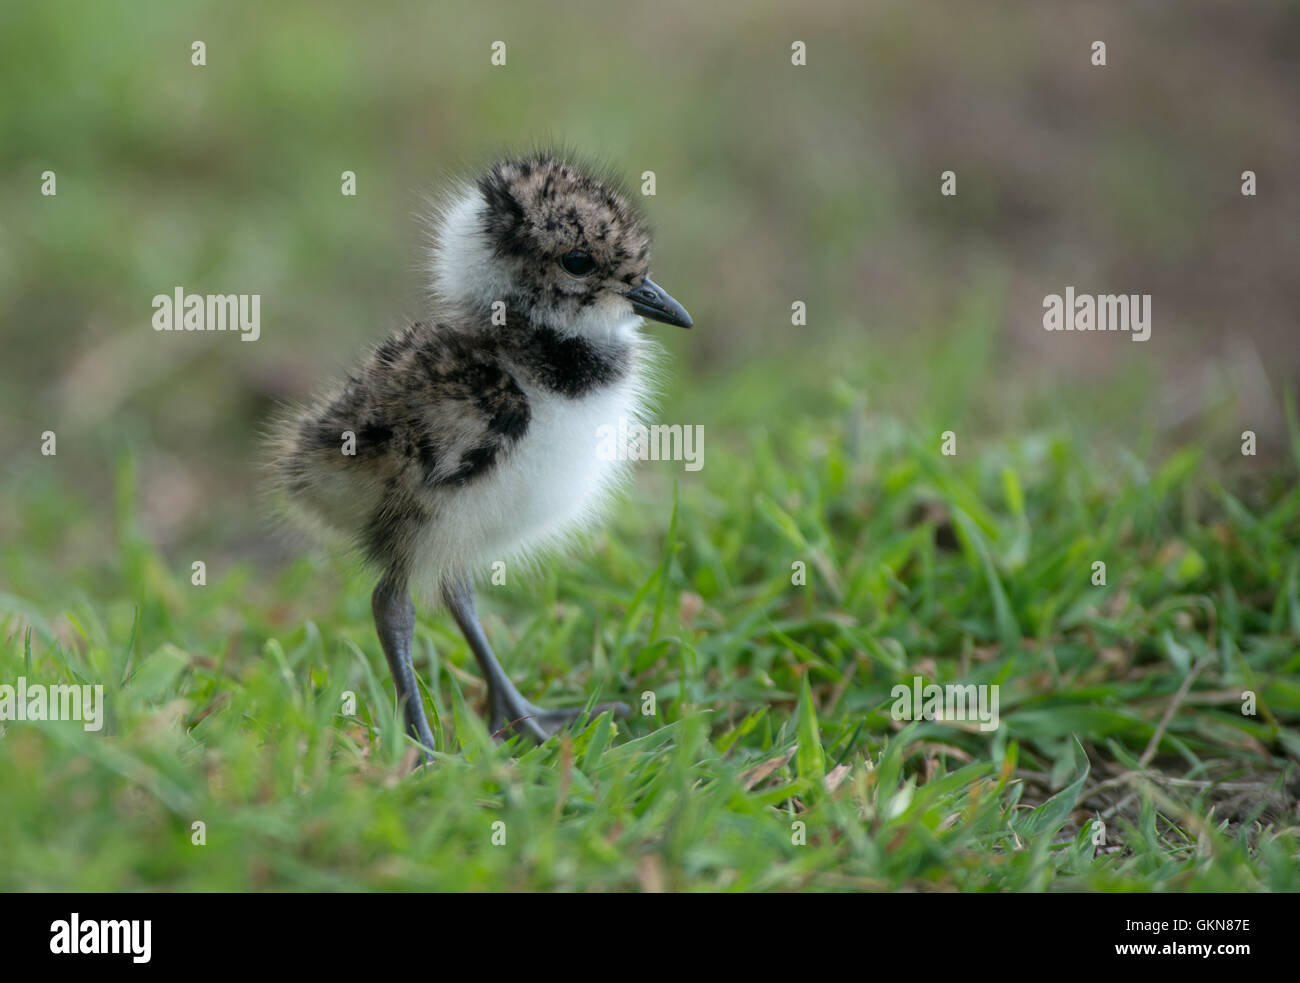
(474, 431)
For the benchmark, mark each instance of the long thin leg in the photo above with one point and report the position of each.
(395, 623)
(506, 706)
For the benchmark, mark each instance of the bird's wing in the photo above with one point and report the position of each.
(443, 403)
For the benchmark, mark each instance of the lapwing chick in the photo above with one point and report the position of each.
(471, 436)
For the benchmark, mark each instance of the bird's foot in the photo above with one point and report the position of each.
(521, 717)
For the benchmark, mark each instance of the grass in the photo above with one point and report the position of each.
(771, 701)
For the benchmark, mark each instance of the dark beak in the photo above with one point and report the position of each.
(652, 301)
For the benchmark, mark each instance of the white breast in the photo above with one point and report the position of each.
(554, 481)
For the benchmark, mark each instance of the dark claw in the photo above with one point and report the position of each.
(542, 724)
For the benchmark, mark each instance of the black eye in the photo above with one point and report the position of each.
(578, 263)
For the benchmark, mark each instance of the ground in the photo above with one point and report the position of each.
(771, 759)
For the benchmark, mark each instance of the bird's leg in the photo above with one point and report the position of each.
(506, 705)
(395, 623)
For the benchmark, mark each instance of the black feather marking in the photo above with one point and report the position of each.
(373, 437)
(571, 366)
(474, 463)
(504, 216)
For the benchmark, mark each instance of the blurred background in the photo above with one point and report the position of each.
(775, 183)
